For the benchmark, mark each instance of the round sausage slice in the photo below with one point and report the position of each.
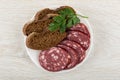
(80, 38)
(73, 54)
(80, 27)
(54, 59)
(82, 57)
(79, 50)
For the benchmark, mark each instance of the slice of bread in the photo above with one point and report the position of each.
(36, 26)
(39, 15)
(40, 41)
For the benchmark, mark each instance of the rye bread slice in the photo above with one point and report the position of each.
(43, 41)
(40, 14)
(36, 26)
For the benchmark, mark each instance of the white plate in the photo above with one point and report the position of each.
(34, 54)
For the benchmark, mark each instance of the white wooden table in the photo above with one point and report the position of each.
(104, 61)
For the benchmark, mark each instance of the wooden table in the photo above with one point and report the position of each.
(103, 62)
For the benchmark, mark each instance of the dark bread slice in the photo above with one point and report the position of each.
(40, 14)
(63, 7)
(40, 41)
(36, 26)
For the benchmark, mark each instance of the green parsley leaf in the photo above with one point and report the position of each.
(65, 12)
(63, 27)
(58, 18)
(53, 26)
(66, 19)
(69, 24)
(75, 20)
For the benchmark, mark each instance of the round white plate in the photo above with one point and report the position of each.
(34, 54)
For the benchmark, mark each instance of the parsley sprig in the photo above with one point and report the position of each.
(66, 19)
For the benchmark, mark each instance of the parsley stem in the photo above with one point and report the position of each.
(82, 16)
